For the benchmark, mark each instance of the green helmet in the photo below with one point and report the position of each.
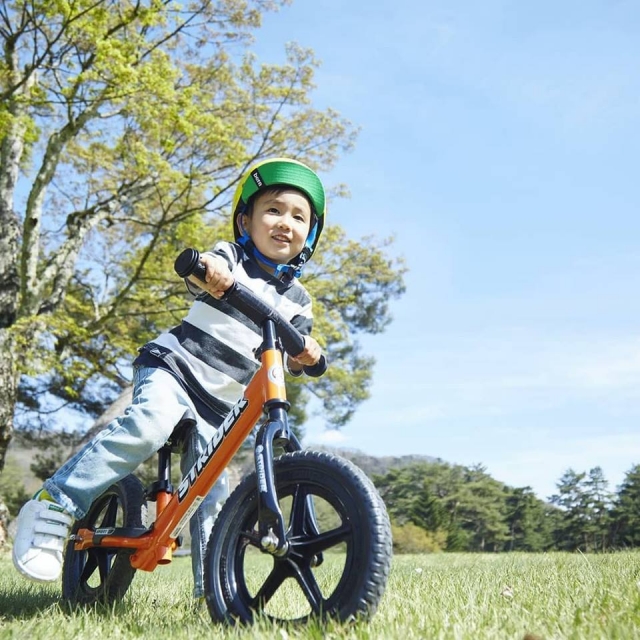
(288, 173)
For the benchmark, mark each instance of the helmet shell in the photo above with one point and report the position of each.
(288, 173)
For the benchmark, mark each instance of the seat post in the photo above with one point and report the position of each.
(164, 464)
(161, 490)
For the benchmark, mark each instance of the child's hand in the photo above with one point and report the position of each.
(309, 356)
(218, 276)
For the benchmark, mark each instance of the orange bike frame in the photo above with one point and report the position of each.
(174, 510)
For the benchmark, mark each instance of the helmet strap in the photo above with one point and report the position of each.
(284, 272)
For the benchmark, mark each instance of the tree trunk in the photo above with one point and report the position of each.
(8, 394)
(8, 391)
(11, 152)
(4, 524)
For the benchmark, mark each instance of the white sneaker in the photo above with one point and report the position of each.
(43, 528)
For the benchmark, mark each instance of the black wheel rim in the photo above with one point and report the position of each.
(310, 580)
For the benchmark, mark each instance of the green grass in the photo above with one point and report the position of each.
(429, 596)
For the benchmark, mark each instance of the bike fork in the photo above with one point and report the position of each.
(271, 524)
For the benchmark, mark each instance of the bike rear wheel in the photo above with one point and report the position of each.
(340, 546)
(102, 575)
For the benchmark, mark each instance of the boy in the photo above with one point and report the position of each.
(278, 212)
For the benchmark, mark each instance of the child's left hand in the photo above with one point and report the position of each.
(310, 355)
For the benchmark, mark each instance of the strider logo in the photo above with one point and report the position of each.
(194, 473)
(257, 178)
(262, 475)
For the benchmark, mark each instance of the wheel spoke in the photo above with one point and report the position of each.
(104, 563)
(110, 514)
(298, 514)
(310, 588)
(252, 538)
(321, 542)
(89, 566)
(273, 582)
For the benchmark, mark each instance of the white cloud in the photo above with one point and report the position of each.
(329, 437)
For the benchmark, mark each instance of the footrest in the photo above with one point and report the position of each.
(126, 532)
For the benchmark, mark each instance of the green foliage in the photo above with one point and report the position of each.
(586, 502)
(131, 124)
(352, 283)
(530, 521)
(12, 490)
(480, 510)
(598, 501)
(477, 512)
(626, 511)
(414, 495)
(409, 538)
(481, 514)
(44, 465)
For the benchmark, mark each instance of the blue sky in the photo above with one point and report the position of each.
(500, 145)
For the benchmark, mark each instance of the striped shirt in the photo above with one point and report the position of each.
(212, 351)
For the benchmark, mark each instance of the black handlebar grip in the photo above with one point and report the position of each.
(318, 369)
(188, 264)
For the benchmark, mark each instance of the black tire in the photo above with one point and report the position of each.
(102, 575)
(353, 531)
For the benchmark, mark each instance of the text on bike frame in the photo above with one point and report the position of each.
(195, 471)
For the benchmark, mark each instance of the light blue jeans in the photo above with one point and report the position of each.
(159, 401)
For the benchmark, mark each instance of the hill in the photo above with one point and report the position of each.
(377, 465)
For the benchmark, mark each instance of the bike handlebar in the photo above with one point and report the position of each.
(248, 303)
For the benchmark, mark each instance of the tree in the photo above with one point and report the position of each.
(598, 503)
(626, 510)
(409, 497)
(571, 500)
(481, 510)
(464, 502)
(529, 521)
(585, 503)
(124, 128)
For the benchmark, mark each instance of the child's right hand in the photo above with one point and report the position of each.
(218, 276)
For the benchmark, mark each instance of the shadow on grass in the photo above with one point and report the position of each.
(25, 603)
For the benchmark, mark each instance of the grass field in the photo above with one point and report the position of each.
(513, 596)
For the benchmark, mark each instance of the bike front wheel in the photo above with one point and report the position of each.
(339, 553)
(98, 574)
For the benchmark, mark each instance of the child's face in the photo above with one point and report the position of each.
(279, 224)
